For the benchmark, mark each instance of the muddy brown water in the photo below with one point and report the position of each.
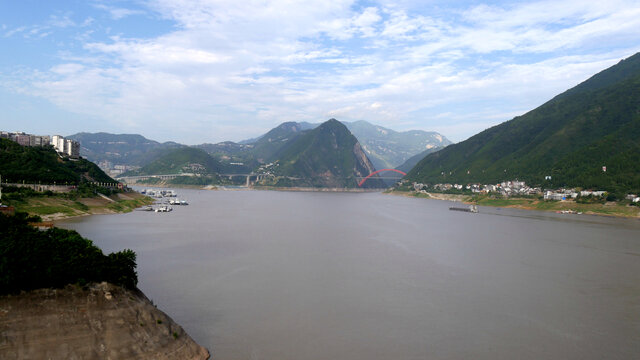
(282, 275)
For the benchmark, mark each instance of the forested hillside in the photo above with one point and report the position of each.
(570, 138)
(42, 164)
(327, 156)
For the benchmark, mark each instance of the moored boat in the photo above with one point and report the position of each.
(471, 209)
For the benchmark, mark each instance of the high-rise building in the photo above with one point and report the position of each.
(58, 143)
(22, 139)
(72, 148)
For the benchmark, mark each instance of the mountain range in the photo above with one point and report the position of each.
(326, 156)
(385, 148)
(388, 149)
(586, 137)
(124, 149)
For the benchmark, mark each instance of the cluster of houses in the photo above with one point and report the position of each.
(268, 169)
(517, 188)
(194, 168)
(506, 188)
(66, 147)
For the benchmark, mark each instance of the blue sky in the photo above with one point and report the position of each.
(197, 71)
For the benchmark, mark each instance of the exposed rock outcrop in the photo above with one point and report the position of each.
(102, 321)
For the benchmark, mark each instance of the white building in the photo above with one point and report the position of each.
(72, 148)
(58, 143)
(64, 146)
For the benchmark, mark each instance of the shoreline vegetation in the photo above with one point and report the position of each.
(608, 208)
(51, 206)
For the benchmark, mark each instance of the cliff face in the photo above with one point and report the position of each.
(101, 322)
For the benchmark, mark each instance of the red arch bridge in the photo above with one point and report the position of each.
(379, 171)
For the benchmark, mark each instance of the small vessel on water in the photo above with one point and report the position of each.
(471, 209)
(569, 212)
(163, 208)
(178, 202)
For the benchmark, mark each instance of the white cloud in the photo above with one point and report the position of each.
(226, 66)
(118, 13)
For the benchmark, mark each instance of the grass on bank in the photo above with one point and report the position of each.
(57, 205)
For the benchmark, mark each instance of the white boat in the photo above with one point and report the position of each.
(163, 208)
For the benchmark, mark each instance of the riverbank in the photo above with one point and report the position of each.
(609, 208)
(51, 208)
(313, 189)
(165, 184)
(98, 321)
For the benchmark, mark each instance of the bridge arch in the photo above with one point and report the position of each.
(379, 171)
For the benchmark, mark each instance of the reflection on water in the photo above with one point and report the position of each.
(280, 275)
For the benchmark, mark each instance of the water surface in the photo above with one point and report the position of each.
(283, 275)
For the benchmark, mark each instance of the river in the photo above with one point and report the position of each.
(293, 275)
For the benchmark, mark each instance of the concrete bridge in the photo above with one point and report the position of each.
(135, 179)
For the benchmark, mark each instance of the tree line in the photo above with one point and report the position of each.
(33, 259)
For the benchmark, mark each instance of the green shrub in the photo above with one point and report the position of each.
(32, 259)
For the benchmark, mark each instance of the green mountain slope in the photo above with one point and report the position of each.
(327, 156)
(265, 148)
(387, 148)
(254, 152)
(124, 149)
(182, 160)
(570, 138)
(299, 126)
(415, 159)
(234, 158)
(42, 164)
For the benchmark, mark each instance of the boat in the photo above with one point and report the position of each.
(569, 212)
(471, 209)
(163, 208)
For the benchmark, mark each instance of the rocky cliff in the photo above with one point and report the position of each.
(102, 321)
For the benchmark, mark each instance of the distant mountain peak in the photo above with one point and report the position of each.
(327, 156)
(387, 148)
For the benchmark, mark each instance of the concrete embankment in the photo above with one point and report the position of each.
(102, 321)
